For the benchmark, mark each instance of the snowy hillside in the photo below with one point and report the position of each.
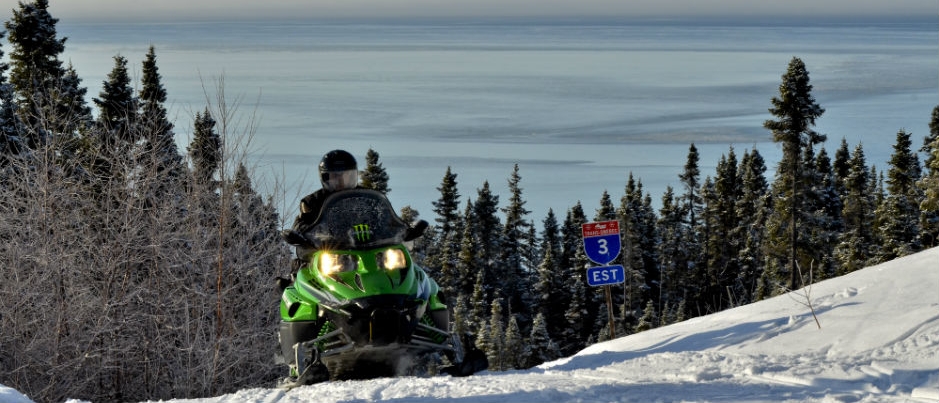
(878, 342)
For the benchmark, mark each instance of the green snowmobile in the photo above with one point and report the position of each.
(361, 308)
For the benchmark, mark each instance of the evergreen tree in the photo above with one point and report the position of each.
(478, 303)
(673, 259)
(856, 246)
(826, 208)
(649, 319)
(841, 166)
(515, 349)
(723, 248)
(117, 107)
(704, 288)
(444, 238)
(71, 113)
(583, 303)
(9, 121)
(488, 236)
(447, 206)
(691, 205)
(572, 339)
(36, 68)
(690, 179)
(900, 212)
(469, 266)
(205, 150)
(648, 241)
(374, 175)
(159, 140)
(496, 344)
(796, 111)
(540, 346)
(752, 208)
(635, 286)
(550, 291)
(158, 150)
(606, 212)
(551, 238)
(929, 184)
(515, 278)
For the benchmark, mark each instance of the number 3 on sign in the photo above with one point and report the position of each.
(603, 249)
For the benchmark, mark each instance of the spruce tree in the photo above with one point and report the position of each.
(515, 348)
(495, 347)
(649, 319)
(117, 107)
(753, 209)
(444, 237)
(374, 175)
(36, 68)
(551, 237)
(673, 260)
(856, 245)
(541, 347)
(841, 166)
(574, 262)
(205, 150)
(634, 285)
(691, 205)
(159, 140)
(9, 121)
(704, 280)
(690, 178)
(447, 206)
(71, 113)
(516, 280)
(468, 265)
(488, 235)
(795, 110)
(826, 208)
(723, 247)
(572, 338)
(929, 184)
(606, 211)
(648, 240)
(900, 212)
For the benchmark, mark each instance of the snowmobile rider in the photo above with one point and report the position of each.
(338, 171)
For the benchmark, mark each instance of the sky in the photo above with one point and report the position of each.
(253, 9)
(875, 339)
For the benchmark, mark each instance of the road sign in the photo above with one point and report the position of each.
(601, 241)
(605, 275)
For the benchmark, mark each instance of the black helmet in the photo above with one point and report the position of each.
(338, 171)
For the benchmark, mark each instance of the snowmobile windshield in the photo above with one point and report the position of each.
(357, 219)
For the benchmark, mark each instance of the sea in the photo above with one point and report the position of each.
(579, 105)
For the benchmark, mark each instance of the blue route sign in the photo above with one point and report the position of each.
(601, 241)
(605, 275)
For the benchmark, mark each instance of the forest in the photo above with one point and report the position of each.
(133, 270)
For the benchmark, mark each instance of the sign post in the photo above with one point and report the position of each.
(602, 245)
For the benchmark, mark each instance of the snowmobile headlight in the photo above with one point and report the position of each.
(392, 259)
(332, 263)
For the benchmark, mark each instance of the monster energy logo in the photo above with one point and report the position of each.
(361, 232)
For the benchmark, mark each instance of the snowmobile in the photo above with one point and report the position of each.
(361, 308)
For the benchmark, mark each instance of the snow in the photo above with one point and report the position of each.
(878, 342)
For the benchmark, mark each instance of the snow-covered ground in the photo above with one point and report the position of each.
(878, 342)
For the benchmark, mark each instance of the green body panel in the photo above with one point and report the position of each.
(366, 280)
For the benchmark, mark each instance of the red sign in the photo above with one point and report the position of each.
(602, 228)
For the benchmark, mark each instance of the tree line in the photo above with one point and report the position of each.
(722, 240)
(137, 271)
